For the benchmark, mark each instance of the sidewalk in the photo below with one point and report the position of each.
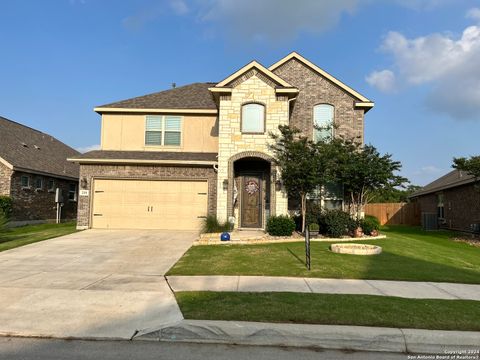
(405, 289)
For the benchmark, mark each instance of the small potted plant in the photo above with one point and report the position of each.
(313, 228)
(356, 230)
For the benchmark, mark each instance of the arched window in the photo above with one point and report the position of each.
(323, 120)
(253, 118)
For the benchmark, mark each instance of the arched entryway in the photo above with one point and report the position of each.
(251, 196)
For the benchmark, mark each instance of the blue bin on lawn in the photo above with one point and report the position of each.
(225, 236)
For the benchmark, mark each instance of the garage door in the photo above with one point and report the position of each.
(141, 204)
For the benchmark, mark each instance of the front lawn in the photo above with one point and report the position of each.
(408, 254)
(23, 235)
(329, 309)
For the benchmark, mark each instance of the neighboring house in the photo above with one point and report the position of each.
(454, 198)
(32, 166)
(170, 158)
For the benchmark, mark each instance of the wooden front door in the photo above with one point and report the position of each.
(251, 209)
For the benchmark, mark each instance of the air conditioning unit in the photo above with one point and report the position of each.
(475, 228)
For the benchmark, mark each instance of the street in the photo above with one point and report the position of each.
(52, 349)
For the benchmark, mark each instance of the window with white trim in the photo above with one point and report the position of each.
(253, 118)
(163, 130)
(440, 206)
(51, 185)
(38, 183)
(25, 181)
(323, 121)
(72, 192)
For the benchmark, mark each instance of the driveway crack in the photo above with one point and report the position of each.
(95, 282)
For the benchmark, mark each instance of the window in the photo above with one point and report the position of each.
(25, 181)
(163, 130)
(333, 196)
(51, 185)
(38, 183)
(72, 192)
(253, 118)
(323, 122)
(440, 207)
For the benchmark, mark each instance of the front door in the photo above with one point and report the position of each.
(251, 209)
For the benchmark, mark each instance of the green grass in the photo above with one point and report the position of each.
(23, 235)
(408, 254)
(362, 310)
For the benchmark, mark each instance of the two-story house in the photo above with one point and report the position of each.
(170, 158)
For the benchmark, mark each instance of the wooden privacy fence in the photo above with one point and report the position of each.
(395, 213)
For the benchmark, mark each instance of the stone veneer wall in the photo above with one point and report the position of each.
(152, 172)
(32, 204)
(314, 90)
(231, 141)
(5, 179)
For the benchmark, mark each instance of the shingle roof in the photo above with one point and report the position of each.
(145, 156)
(452, 179)
(193, 96)
(32, 150)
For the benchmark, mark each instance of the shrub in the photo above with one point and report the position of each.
(280, 225)
(6, 205)
(313, 227)
(212, 225)
(369, 224)
(336, 223)
(3, 221)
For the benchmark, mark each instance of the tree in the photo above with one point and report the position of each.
(362, 170)
(393, 195)
(471, 165)
(296, 156)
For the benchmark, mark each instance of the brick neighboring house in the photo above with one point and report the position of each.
(455, 198)
(32, 165)
(170, 158)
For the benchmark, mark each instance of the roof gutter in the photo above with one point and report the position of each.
(102, 110)
(141, 161)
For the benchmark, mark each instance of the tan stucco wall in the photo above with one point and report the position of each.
(127, 132)
(231, 140)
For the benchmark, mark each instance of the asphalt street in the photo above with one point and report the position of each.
(53, 349)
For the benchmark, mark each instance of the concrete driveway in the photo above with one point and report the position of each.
(91, 284)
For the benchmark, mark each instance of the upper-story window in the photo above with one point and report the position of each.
(253, 118)
(163, 130)
(323, 121)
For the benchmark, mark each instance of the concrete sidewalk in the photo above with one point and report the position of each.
(405, 289)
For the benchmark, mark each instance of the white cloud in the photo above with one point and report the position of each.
(179, 7)
(273, 19)
(422, 5)
(448, 64)
(473, 13)
(383, 80)
(84, 149)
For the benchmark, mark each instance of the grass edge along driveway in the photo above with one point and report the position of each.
(409, 254)
(332, 309)
(29, 234)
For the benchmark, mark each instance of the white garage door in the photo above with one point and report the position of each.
(143, 204)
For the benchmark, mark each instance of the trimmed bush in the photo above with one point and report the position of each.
(3, 221)
(314, 227)
(280, 225)
(6, 206)
(336, 223)
(369, 224)
(212, 225)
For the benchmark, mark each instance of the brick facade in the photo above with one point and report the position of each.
(314, 90)
(461, 206)
(5, 178)
(142, 172)
(39, 204)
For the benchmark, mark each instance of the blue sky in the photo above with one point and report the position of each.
(419, 60)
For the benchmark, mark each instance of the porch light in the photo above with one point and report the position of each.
(83, 183)
(278, 185)
(225, 184)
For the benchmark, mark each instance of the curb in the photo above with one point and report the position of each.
(339, 337)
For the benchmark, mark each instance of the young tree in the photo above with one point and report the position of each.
(471, 165)
(296, 156)
(362, 170)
